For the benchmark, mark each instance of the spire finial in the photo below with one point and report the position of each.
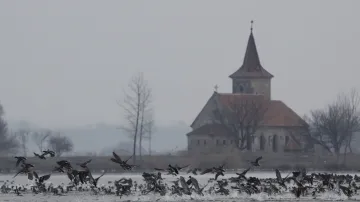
(252, 22)
(216, 87)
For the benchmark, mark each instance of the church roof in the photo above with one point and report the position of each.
(251, 67)
(276, 113)
(209, 129)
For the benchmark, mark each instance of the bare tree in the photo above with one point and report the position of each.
(40, 138)
(146, 116)
(23, 137)
(135, 105)
(242, 116)
(334, 125)
(8, 142)
(149, 129)
(60, 144)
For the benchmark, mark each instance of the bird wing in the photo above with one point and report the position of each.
(278, 175)
(97, 179)
(217, 175)
(20, 171)
(176, 170)
(129, 158)
(70, 176)
(30, 176)
(117, 157)
(208, 170)
(303, 171)
(222, 166)
(18, 162)
(287, 176)
(101, 175)
(115, 160)
(258, 159)
(36, 175)
(245, 171)
(179, 168)
(44, 178)
(82, 176)
(195, 183)
(159, 169)
(85, 163)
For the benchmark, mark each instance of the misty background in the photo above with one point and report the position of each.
(63, 66)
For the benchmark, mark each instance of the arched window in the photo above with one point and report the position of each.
(275, 143)
(241, 88)
(262, 142)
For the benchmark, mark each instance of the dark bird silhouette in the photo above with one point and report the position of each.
(279, 179)
(256, 162)
(49, 152)
(84, 164)
(172, 170)
(20, 159)
(42, 156)
(93, 180)
(41, 179)
(242, 175)
(59, 169)
(26, 170)
(194, 171)
(217, 170)
(122, 163)
(180, 168)
(64, 164)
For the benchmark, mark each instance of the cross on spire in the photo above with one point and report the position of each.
(252, 23)
(216, 87)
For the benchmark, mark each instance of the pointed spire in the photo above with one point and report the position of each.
(251, 66)
(251, 59)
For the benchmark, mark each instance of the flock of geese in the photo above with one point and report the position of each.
(299, 183)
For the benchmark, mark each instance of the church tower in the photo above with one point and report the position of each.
(251, 77)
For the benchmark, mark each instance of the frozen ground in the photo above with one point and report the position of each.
(87, 196)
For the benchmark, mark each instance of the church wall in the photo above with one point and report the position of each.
(252, 86)
(220, 143)
(209, 143)
(262, 86)
(241, 85)
(270, 133)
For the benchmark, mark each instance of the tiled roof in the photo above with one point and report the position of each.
(210, 129)
(275, 112)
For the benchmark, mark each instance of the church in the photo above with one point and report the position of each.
(278, 129)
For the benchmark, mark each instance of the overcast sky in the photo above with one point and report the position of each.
(64, 63)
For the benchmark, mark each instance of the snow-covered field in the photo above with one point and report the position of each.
(87, 196)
